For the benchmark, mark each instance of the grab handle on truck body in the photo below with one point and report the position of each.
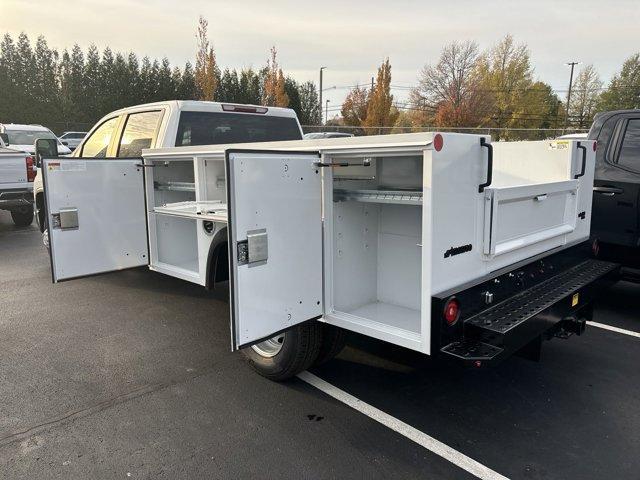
(584, 160)
(489, 147)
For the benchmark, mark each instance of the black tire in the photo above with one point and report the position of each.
(22, 217)
(332, 343)
(300, 348)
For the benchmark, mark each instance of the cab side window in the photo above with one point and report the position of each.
(138, 133)
(98, 143)
(629, 156)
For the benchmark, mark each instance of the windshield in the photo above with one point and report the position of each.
(209, 128)
(27, 137)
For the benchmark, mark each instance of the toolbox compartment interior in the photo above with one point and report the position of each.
(377, 230)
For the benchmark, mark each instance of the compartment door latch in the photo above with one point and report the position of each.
(65, 219)
(254, 250)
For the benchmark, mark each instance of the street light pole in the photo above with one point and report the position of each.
(326, 111)
(566, 120)
(320, 90)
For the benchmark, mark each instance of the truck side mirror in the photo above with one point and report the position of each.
(45, 147)
(5, 139)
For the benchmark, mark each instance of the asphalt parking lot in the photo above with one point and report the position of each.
(129, 375)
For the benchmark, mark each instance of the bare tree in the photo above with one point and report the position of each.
(586, 94)
(447, 91)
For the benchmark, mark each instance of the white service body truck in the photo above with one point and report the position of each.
(439, 242)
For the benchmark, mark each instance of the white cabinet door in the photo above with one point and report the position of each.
(275, 228)
(96, 215)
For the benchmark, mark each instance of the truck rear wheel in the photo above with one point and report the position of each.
(287, 354)
(22, 217)
(332, 342)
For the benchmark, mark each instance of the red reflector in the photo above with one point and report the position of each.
(31, 171)
(595, 146)
(244, 109)
(438, 142)
(452, 311)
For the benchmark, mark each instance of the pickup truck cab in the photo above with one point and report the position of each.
(616, 197)
(125, 133)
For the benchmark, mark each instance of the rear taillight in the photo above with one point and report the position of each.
(244, 109)
(451, 311)
(31, 170)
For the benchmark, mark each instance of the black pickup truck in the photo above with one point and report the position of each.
(615, 225)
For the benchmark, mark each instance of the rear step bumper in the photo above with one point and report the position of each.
(556, 307)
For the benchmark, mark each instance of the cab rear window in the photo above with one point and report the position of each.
(209, 128)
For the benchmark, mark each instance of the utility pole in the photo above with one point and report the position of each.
(320, 92)
(326, 111)
(566, 120)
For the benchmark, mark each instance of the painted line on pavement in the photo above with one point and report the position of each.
(611, 328)
(421, 438)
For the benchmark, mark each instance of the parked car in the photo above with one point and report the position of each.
(321, 135)
(125, 132)
(72, 139)
(616, 199)
(17, 172)
(23, 137)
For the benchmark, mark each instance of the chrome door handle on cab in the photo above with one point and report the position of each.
(608, 191)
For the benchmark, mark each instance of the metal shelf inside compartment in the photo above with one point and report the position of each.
(175, 186)
(193, 208)
(403, 197)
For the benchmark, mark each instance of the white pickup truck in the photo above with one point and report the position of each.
(17, 173)
(125, 132)
(431, 241)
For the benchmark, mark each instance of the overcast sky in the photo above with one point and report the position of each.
(350, 38)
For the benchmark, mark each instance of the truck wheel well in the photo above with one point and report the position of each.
(218, 260)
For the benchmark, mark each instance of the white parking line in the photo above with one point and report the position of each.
(421, 438)
(604, 326)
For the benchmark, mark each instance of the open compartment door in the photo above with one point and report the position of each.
(275, 242)
(95, 215)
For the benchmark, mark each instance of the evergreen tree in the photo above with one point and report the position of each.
(188, 89)
(134, 87)
(92, 98)
(229, 87)
(45, 93)
(310, 111)
(166, 88)
(8, 60)
(24, 82)
(250, 87)
(292, 90)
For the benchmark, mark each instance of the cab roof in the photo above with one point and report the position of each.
(204, 106)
